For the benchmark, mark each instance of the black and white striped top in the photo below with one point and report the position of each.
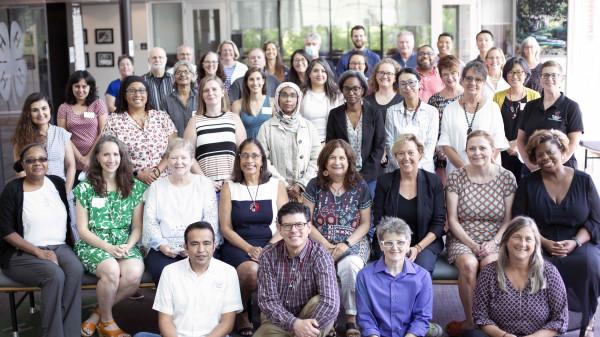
(215, 145)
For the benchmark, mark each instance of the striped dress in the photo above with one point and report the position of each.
(215, 145)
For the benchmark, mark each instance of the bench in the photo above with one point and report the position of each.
(591, 146)
(12, 287)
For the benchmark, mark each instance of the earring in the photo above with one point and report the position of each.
(325, 173)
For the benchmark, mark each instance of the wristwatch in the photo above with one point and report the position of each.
(135, 173)
(348, 243)
(576, 241)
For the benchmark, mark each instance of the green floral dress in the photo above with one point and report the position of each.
(109, 219)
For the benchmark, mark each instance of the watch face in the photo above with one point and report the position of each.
(135, 173)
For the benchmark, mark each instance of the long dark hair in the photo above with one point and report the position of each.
(331, 89)
(124, 177)
(76, 77)
(246, 89)
(294, 77)
(202, 74)
(26, 132)
(122, 105)
(278, 62)
(352, 177)
(237, 175)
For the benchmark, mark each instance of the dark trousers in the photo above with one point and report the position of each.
(157, 261)
(61, 287)
(475, 333)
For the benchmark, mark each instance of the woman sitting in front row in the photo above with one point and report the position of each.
(520, 294)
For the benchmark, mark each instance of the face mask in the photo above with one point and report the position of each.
(312, 50)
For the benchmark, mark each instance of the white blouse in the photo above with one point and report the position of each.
(44, 216)
(316, 107)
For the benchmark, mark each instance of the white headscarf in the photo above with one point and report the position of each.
(289, 123)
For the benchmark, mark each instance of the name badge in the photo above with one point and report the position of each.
(522, 106)
(266, 111)
(89, 114)
(98, 202)
(411, 129)
(220, 285)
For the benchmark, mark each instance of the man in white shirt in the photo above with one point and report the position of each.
(198, 296)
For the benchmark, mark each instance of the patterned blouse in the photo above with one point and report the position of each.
(439, 102)
(521, 313)
(355, 136)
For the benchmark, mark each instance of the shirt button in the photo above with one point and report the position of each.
(300, 141)
(301, 156)
(290, 285)
(301, 172)
(394, 315)
(287, 302)
(394, 297)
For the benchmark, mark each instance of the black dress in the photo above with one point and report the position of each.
(580, 269)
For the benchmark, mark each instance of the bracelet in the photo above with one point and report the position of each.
(157, 169)
(419, 248)
(348, 243)
(579, 244)
(506, 333)
(497, 244)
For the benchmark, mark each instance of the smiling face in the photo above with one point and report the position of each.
(38, 168)
(405, 81)
(358, 63)
(256, 58)
(185, 77)
(551, 84)
(157, 59)
(271, 52)
(81, 90)
(359, 38)
(484, 42)
(473, 83)
(251, 166)
(406, 44)
(445, 45)
(425, 57)
(521, 245)
(227, 52)
(396, 252)
(125, 67)
(516, 77)
(185, 53)
(528, 51)
(136, 100)
(288, 100)
(494, 60)
(450, 77)
(210, 64)
(408, 157)
(255, 82)
(385, 75)
(300, 63)
(548, 156)
(179, 161)
(479, 151)
(337, 163)
(318, 75)
(109, 157)
(212, 93)
(200, 247)
(294, 239)
(40, 113)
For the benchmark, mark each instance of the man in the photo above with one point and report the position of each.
(394, 295)
(160, 81)
(445, 45)
(312, 45)
(256, 58)
(431, 81)
(297, 285)
(198, 296)
(406, 56)
(185, 53)
(359, 38)
(485, 42)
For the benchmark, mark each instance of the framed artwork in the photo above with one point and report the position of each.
(85, 36)
(87, 60)
(104, 36)
(105, 59)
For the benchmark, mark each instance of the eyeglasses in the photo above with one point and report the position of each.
(182, 72)
(403, 85)
(553, 76)
(138, 91)
(354, 90)
(298, 225)
(425, 54)
(286, 96)
(33, 160)
(385, 74)
(448, 75)
(356, 64)
(390, 243)
(210, 62)
(470, 79)
(245, 156)
(517, 73)
(298, 61)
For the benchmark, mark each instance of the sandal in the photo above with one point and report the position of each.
(588, 331)
(352, 326)
(246, 332)
(102, 332)
(454, 329)
(90, 326)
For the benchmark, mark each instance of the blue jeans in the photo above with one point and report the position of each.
(371, 185)
(146, 334)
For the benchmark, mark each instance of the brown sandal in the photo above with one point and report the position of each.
(90, 326)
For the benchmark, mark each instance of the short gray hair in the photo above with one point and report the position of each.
(312, 36)
(478, 67)
(531, 41)
(189, 66)
(390, 225)
(180, 143)
(405, 32)
(353, 73)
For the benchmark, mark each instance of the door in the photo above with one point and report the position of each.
(459, 18)
(205, 26)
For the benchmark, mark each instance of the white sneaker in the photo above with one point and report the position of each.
(434, 330)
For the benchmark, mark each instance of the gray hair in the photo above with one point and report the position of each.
(189, 66)
(180, 143)
(531, 41)
(390, 225)
(478, 67)
(312, 36)
(536, 261)
(353, 73)
(405, 32)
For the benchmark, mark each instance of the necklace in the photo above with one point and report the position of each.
(513, 110)
(254, 207)
(285, 264)
(406, 110)
(336, 191)
(144, 119)
(470, 124)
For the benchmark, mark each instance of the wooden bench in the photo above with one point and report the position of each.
(12, 287)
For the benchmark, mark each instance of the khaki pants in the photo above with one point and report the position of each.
(268, 329)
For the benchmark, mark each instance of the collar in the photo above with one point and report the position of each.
(303, 253)
(556, 104)
(167, 74)
(188, 267)
(433, 72)
(380, 267)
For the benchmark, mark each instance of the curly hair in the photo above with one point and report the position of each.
(352, 177)
(201, 73)
(237, 176)
(122, 105)
(74, 79)
(124, 176)
(373, 84)
(26, 132)
(541, 136)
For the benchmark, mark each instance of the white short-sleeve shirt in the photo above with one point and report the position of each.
(197, 302)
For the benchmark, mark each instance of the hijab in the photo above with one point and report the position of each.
(289, 122)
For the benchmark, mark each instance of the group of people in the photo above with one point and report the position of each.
(263, 178)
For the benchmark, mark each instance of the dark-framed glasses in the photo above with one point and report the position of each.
(33, 160)
(298, 225)
(245, 156)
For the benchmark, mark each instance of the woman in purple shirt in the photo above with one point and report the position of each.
(520, 294)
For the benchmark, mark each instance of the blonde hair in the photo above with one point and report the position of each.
(501, 54)
(541, 136)
(236, 51)
(480, 133)
(202, 104)
(405, 138)
(180, 143)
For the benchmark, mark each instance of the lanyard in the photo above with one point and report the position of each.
(285, 264)
(414, 114)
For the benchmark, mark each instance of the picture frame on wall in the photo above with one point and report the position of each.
(105, 59)
(104, 36)
(87, 60)
(85, 40)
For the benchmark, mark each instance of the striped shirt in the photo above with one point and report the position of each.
(56, 141)
(286, 284)
(215, 145)
(159, 88)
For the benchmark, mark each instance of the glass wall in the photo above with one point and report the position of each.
(254, 23)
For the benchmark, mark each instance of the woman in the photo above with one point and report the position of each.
(564, 203)
(530, 51)
(521, 275)
(512, 102)
(321, 94)
(415, 196)
(479, 197)
(469, 113)
(146, 132)
(174, 202)
(384, 86)
(299, 63)
(340, 204)
(248, 216)
(215, 132)
(229, 53)
(274, 65)
(291, 142)
(125, 64)
(255, 107)
(109, 221)
(83, 115)
(34, 127)
(553, 110)
(494, 61)
(182, 102)
(36, 242)
(411, 116)
(449, 67)
(209, 65)
(358, 61)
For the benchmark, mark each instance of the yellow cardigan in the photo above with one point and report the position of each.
(500, 96)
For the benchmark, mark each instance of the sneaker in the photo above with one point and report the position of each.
(138, 295)
(434, 330)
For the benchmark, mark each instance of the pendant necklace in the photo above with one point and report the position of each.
(514, 111)
(470, 124)
(254, 205)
